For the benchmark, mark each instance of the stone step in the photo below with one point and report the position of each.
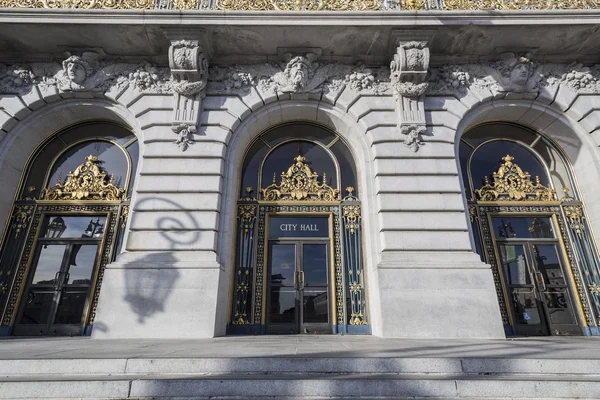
(384, 365)
(304, 386)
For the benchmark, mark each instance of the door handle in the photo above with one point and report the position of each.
(56, 282)
(539, 278)
(301, 279)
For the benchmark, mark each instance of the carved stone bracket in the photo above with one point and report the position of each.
(408, 76)
(189, 74)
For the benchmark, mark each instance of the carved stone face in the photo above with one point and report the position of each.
(76, 72)
(298, 74)
(520, 73)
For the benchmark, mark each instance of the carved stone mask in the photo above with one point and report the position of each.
(76, 72)
(520, 73)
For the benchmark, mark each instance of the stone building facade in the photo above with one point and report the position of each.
(423, 154)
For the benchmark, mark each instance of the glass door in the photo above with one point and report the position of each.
(535, 276)
(55, 300)
(298, 298)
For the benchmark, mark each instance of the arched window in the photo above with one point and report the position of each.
(529, 224)
(293, 230)
(67, 223)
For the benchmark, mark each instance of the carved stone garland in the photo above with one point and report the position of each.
(511, 183)
(87, 182)
(299, 182)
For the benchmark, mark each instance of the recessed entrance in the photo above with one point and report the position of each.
(535, 275)
(298, 288)
(298, 265)
(57, 294)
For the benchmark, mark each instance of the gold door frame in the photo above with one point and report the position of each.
(268, 209)
(487, 210)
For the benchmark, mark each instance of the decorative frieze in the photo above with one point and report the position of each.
(86, 72)
(299, 75)
(513, 73)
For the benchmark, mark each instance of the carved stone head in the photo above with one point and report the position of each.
(298, 72)
(516, 69)
(77, 69)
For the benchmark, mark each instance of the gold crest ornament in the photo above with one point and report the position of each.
(87, 182)
(299, 182)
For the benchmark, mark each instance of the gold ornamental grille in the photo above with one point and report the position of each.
(305, 5)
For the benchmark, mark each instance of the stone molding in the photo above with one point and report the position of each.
(298, 75)
(514, 73)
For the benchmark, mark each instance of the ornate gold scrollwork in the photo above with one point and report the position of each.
(299, 182)
(511, 183)
(87, 182)
(247, 216)
(300, 5)
(351, 215)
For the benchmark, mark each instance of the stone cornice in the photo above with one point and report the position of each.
(300, 18)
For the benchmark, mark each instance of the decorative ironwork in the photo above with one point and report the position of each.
(491, 255)
(300, 5)
(351, 216)
(21, 268)
(304, 5)
(244, 262)
(261, 262)
(511, 183)
(87, 182)
(584, 248)
(21, 218)
(299, 183)
(472, 212)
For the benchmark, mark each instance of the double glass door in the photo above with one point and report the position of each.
(536, 277)
(56, 298)
(298, 294)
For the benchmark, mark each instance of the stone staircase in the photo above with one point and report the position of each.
(298, 377)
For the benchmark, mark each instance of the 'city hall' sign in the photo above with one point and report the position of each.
(301, 227)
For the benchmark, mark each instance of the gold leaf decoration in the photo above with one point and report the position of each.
(299, 182)
(87, 182)
(511, 183)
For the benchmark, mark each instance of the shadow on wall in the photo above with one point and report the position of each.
(149, 280)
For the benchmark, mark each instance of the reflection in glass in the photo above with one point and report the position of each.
(74, 227)
(70, 308)
(314, 259)
(283, 263)
(81, 264)
(546, 261)
(48, 265)
(280, 159)
(526, 307)
(315, 305)
(112, 158)
(38, 307)
(558, 303)
(515, 264)
(488, 158)
(283, 305)
(523, 227)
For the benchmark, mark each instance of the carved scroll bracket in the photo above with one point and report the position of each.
(408, 75)
(188, 60)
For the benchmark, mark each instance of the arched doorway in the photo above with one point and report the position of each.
(298, 260)
(67, 222)
(529, 224)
